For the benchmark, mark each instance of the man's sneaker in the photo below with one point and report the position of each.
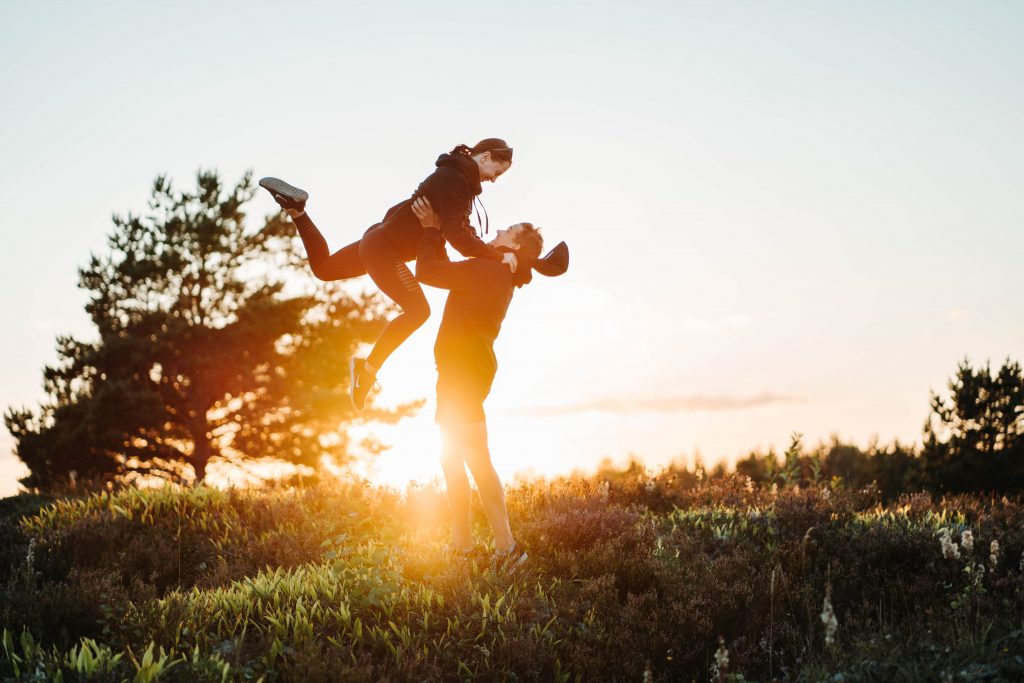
(361, 381)
(462, 555)
(287, 196)
(510, 561)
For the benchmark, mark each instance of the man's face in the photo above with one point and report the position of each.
(509, 237)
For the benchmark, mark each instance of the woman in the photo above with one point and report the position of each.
(387, 246)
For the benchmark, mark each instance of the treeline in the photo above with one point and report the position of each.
(973, 441)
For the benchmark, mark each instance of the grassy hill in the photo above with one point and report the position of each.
(631, 579)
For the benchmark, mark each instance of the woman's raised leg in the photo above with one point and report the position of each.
(341, 265)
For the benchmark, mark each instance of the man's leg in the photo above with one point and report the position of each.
(472, 442)
(457, 484)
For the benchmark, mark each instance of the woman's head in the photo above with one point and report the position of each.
(493, 157)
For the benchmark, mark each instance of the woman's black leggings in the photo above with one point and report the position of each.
(376, 256)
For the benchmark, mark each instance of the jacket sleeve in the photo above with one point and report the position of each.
(442, 188)
(434, 268)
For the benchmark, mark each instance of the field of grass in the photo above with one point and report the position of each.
(631, 578)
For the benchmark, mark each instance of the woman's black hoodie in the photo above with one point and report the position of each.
(451, 190)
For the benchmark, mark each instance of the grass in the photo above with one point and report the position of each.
(630, 579)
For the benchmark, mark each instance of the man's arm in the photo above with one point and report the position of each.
(434, 268)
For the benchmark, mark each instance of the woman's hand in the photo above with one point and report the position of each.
(510, 259)
(425, 212)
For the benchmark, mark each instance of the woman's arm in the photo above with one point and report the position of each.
(443, 189)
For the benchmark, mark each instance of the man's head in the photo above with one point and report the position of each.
(523, 239)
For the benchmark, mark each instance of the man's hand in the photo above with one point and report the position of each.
(511, 260)
(425, 212)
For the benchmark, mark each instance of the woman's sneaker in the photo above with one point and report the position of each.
(510, 561)
(360, 382)
(287, 196)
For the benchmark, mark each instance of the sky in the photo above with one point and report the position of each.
(783, 216)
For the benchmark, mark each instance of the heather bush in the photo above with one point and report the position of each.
(633, 575)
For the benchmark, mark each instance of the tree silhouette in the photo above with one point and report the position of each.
(212, 343)
(974, 437)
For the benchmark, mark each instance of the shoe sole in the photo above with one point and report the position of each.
(352, 382)
(512, 567)
(278, 186)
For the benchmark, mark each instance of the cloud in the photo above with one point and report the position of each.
(664, 404)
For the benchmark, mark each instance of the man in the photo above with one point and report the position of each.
(480, 293)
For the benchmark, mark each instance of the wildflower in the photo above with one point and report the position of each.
(648, 674)
(993, 553)
(750, 485)
(978, 576)
(649, 486)
(775, 489)
(721, 656)
(603, 490)
(828, 617)
(967, 541)
(950, 550)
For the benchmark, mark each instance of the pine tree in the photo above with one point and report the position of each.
(212, 342)
(974, 437)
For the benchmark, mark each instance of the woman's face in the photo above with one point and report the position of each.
(490, 168)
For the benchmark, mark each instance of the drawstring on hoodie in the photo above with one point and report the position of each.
(486, 223)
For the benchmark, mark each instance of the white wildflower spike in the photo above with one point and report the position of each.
(722, 656)
(978, 576)
(949, 547)
(828, 617)
(648, 674)
(750, 485)
(967, 541)
(775, 489)
(993, 553)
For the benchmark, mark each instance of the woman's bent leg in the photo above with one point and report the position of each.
(341, 265)
(388, 270)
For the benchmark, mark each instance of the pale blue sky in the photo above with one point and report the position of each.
(820, 202)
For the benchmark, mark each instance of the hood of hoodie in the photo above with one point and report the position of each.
(470, 171)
